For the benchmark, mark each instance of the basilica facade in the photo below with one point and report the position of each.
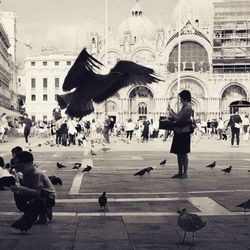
(214, 65)
(213, 83)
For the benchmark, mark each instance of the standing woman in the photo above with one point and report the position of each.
(181, 141)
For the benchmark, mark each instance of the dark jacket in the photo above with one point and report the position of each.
(234, 119)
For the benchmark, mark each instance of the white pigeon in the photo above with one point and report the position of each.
(189, 222)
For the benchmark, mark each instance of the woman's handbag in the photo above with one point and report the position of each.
(166, 123)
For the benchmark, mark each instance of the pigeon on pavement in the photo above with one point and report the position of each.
(23, 224)
(147, 170)
(141, 172)
(77, 165)
(55, 180)
(87, 169)
(92, 153)
(227, 170)
(104, 149)
(39, 145)
(189, 222)
(163, 162)
(60, 166)
(103, 201)
(212, 165)
(245, 205)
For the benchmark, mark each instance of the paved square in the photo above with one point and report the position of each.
(142, 210)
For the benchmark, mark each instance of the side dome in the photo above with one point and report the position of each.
(138, 25)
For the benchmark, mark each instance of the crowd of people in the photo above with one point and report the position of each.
(66, 131)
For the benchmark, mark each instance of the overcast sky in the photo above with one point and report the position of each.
(56, 22)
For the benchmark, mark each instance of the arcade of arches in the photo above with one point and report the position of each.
(141, 102)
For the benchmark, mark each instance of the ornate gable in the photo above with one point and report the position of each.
(188, 29)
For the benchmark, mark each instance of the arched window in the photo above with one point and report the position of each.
(191, 53)
(141, 91)
(111, 106)
(142, 108)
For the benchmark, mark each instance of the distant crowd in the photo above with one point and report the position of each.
(66, 131)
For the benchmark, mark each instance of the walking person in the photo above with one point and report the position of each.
(209, 128)
(5, 126)
(130, 126)
(234, 123)
(220, 128)
(181, 140)
(71, 131)
(138, 131)
(245, 127)
(106, 127)
(58, 132)
(27, 124)
(145, 131)
(52, 133)
(64, 133)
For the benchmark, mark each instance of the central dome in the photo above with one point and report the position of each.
(138, 25)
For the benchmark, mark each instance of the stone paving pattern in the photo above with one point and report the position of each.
(113, 172)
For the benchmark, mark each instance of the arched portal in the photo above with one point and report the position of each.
(141, 103)
(197, 93)
(232, 93)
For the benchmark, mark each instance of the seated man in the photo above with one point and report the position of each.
(36, 194)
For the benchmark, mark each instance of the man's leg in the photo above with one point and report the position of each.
(131, 134)
(237, 133)
(127, 132)
(232, 136)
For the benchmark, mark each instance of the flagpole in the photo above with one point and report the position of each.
(179, 60)
(106, 43)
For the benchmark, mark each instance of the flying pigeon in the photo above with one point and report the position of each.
(55, 180)
(141, 172)
(245, 205)
(87, 169)
(163, 162)
(103, 201)
(189, 222)
(60, 166)
(24, 224)
(92, 153)
(227, 170)
(91, 87)
(77, 165)
(212, 165)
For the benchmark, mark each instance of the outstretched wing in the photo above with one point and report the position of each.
(126, 73)
(81, 71)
